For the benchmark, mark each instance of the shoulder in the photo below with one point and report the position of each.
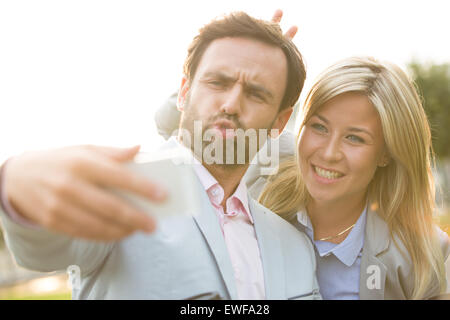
(281, 149)
(392, 252)
(385, 245)
(287, 143)
(290, 236)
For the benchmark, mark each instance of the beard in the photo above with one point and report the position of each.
(211, 147)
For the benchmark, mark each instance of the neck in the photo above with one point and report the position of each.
(228, 176)
(329, 219)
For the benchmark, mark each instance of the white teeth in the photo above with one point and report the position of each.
(327, 174)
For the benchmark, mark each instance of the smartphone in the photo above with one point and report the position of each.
(172, 170)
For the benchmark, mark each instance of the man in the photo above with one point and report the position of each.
(240, 73)
(168, 116)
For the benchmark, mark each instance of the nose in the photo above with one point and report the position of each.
(331, 150)
(233, 100)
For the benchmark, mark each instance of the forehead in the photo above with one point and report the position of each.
(247, 59)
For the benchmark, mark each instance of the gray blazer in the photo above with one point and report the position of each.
(380, 257)
(186, 258)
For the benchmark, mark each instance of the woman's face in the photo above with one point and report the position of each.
(340, 148)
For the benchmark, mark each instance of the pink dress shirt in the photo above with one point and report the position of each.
(239, 234)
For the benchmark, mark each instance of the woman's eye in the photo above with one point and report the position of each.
(319, 127)
(355, 139)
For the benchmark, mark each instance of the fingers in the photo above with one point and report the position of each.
(278, 14)
(64, 217)
(118, 154)
(108, 173)
(109, 207)
(76, 222)
(276, 18)
(64, 190)
(292, 31)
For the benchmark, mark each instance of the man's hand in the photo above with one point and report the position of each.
(64, 190)
(292, 31)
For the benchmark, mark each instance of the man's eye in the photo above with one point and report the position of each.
(216, 83)
(356, 139)
(257, 96)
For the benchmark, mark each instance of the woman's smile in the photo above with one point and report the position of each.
(326, 176)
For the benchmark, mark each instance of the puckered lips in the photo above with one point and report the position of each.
(326, 175)
(225, 127)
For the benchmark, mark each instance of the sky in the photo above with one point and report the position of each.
(95, 72)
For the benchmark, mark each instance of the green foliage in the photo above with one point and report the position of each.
(2, 241)
(44, 296)
(433, 82)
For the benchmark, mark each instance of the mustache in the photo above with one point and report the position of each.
(237, 124)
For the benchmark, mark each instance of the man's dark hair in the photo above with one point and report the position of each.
(240, 24)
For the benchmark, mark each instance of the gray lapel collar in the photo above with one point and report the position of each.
(271, 254)
(372, 278)
(373, 271)
(209, 225)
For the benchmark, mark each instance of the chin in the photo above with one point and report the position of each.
(323, 198)
(320, 195)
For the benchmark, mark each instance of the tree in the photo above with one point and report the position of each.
(433, 82)
(2, 241)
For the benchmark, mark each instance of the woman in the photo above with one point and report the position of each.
(361, 185)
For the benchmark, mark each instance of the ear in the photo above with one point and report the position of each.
(384, 160)
(281, 120)
(182, 93)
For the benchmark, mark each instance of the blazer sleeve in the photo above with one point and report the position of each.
(38, 249)
(257, 173)
(167, 117)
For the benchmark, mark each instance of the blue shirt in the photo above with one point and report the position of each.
(338, 265)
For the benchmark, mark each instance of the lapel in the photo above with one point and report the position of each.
(209, 225)
(268, 242)
(271, 253)
(373, 271)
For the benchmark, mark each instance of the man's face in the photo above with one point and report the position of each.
(239, 84)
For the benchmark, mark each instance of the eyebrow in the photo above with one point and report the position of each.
(352, 129)
(247, 85)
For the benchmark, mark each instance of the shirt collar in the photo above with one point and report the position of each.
(210, 184)
(348, 250)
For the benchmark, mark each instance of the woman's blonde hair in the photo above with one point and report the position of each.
(403, 191)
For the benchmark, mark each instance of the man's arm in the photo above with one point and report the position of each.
(42, 250)
(65, 190)
(67, 216)
(35, 248)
